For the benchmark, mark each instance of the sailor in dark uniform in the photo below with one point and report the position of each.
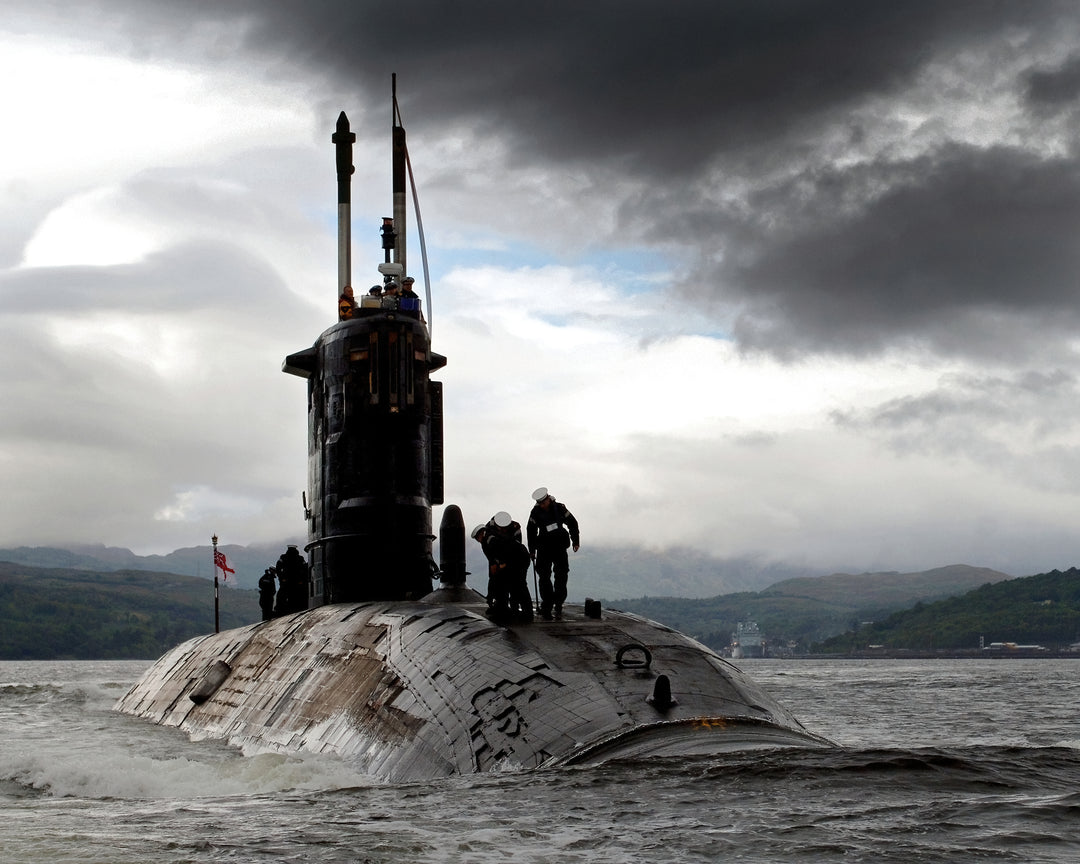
(292, 595)
(267, 588)
(508, 568)
(551, 529)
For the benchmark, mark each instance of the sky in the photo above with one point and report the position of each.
(791, 281)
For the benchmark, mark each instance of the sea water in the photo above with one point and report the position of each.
(941, 761)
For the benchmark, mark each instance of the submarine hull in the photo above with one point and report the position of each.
(427, 689)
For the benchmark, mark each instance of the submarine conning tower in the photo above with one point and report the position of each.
(374, 423)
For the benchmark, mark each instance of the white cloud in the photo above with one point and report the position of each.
(81, 113)
(170, 237)
(91, 228)
(682, 440)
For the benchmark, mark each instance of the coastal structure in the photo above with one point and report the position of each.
(747, 641)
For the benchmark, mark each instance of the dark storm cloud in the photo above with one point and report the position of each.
(1055, 88)
(659, 87)
(892, 251)
(822, 253)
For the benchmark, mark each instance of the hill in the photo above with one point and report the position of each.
(249, 562)
(62, 613)
(1042, 610)
(887, 589)
(799, 612)
(596, 571)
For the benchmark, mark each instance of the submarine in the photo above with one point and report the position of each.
(393, 663)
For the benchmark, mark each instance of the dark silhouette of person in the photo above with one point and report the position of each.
(267, 589)
(292, 573)
(508, 567)
(551, 529)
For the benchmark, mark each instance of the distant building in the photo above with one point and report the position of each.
(1011, 648)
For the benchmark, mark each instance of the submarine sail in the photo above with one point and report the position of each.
(410, 683)
(374, 424)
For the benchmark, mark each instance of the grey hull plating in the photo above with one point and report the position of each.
(420, 690)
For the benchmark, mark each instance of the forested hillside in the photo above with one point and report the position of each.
(56, 613)
(799, 612)
(1040, 610)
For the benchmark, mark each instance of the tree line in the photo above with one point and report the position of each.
(60, 614)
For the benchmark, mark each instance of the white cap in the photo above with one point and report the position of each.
(540, 494)
(502, 519)
(476, 531)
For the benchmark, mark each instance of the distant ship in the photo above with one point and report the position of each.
(410, 682)
(747, 641)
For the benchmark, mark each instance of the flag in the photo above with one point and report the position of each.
(219, 561)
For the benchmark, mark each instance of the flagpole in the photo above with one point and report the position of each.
(217, 627)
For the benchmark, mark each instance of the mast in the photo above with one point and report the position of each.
(399, 189)
(344, 139)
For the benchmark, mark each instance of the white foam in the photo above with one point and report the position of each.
(72, 744)
(123, 774)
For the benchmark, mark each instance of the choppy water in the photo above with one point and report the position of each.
(943, 761)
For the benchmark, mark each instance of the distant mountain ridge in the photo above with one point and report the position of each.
(1041, 610)
(249, 562)
(888, 588)
(52, 613)
(595, 571)
(803, 611)
(98, 609)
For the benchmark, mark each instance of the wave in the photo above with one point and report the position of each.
(71, 744)
(119, 774)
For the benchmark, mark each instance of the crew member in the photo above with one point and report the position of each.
(551, 529)
(346, 304)
(266, 593)
(292, 573)
(504, 536)
(412, 306)
(508, 568)
(479, 534)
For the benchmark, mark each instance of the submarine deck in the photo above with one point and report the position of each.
(417, 690)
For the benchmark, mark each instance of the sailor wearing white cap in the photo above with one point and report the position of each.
(508, 566)
(551, 529)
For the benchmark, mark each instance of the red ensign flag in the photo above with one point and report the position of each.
(219, 560)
